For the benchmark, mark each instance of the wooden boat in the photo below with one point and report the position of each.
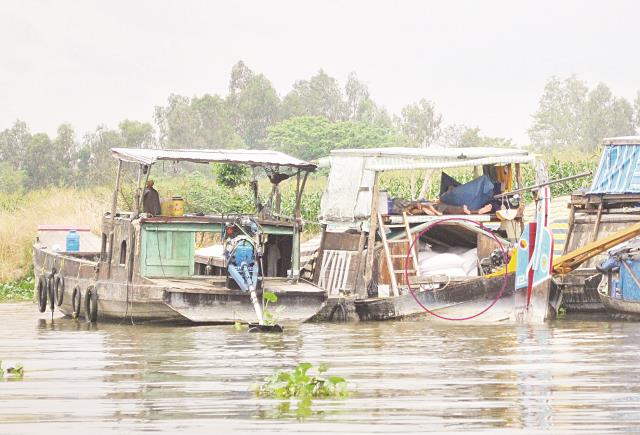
(144, 268)
(621, 308)
(610, 204)
(364, 250)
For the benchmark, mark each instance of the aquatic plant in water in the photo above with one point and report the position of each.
(299, 384)
(270, 317)
(15, 372)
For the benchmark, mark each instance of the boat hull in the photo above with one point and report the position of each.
(462, 301)
(196, 300)
(620, 307)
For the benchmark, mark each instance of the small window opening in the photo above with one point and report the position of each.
(123, 252)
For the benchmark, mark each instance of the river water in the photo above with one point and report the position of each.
(407, 377)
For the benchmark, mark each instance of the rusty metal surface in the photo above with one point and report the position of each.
(249, 157)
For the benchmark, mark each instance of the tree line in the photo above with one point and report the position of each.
(314, 117)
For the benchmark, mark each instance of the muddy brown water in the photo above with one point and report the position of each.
(406, 377)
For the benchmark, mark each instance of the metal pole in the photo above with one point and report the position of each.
(114, 203)
(537, 186)
(137, 196)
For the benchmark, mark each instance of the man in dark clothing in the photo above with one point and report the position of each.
(151, 199)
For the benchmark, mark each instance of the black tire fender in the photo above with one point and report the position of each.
(59, 289)
(91, 304)
(43, 284)
(51, 291)
(76, 302)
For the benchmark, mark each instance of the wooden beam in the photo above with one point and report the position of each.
(596, 226)
(573, 259)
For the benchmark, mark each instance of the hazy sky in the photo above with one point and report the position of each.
(483, 63)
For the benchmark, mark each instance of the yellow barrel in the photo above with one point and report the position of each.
(172, 206)
(178, 206)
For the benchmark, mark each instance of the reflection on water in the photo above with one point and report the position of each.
(571, 375)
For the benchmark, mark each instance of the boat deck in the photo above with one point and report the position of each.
(216, 285)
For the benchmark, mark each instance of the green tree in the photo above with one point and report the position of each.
(605, 115)
(253, 104)
(361, 107)
(66, 149)
(137, 134)
(420, 122)
(43, 165)
(95, 163)
(310, 137)
(14, 143)
(462, 136)
(570, 115)
(321, 96)
(214, 126)
(12, 180)
(200, 122)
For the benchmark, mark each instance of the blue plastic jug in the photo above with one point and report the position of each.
(73, 241)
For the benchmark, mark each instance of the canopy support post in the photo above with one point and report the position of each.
(372, 235)
(114, 205)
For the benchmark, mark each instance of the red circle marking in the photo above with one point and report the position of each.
(436, 223)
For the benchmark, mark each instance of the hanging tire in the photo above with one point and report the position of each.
(43, 284)
(76, 302)
(51, 291)
(91, 305)
(59, 289)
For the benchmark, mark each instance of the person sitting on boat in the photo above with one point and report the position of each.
(150, 200)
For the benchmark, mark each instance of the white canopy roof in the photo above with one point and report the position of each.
(248, 157)
(348, 195)
(389, 159)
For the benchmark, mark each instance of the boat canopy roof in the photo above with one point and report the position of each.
(348, 195)
(619, 168)
(257, 158)
(404, 158)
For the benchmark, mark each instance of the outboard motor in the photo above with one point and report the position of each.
(242, 252)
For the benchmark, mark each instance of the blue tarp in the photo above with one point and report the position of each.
(619, 170)
(474, 194)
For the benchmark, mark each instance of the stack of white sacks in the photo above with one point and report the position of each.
(455, 262)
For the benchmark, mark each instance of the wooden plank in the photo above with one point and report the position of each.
(341, 241)
(372, 231)
(392, 272)
(486, 245)
(596, 227)
(360, 265)
(572, 218)
(429, 279)
(583, 218)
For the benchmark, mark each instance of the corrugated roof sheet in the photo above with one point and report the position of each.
(248, 157)
(389, 159)
(622, 140)
(619, 169)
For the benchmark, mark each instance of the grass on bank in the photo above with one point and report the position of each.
(20, 216)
